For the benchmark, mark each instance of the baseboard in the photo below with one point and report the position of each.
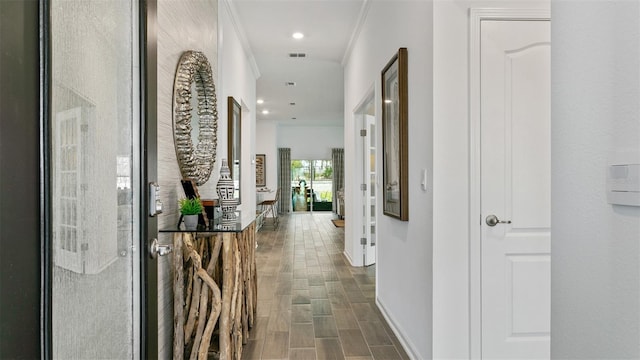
(407, 345)
(349, 259)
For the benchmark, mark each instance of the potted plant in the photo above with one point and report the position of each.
(190, 209)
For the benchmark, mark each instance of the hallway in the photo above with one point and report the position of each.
(311, 303)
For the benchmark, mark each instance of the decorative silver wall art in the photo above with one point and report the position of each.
(194, 75)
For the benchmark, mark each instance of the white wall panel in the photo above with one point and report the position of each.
(595, 83)
(404, 263)
(267, 144)
(310, 142)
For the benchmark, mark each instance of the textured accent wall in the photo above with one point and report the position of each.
(182, 25)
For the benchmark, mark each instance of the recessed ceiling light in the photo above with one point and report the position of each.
(297, 35)
(265, 112)
(260, 101)
(388, 101)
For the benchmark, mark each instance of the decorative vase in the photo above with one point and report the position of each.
(225, 189)
(228, 221)
(190, 222)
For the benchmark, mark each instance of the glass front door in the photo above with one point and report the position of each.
(311, 185)
(94, 179)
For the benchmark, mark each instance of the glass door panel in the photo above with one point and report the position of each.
(369, 176)
(311, 184)
(321, 193)
(95, 126)
(300, 184)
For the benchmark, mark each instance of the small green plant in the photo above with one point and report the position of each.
(190, 206)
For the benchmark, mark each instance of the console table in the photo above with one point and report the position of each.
(214, 288)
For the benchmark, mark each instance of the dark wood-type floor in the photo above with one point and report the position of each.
(311, 303)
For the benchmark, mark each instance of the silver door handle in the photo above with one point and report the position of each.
(493, 220)
(156, 249)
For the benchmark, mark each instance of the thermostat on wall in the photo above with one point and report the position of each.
(623, 184)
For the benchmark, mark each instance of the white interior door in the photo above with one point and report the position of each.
(369, 190)
(67, 217)
(515, 188)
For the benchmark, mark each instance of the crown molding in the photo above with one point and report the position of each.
(233, 16)
(364, 10)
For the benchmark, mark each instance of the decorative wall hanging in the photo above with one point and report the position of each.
(195, 117)
(261, 176)
(395, 136)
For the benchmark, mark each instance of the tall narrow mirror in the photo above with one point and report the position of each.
(234, 144)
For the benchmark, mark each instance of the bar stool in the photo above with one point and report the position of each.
(269, 206)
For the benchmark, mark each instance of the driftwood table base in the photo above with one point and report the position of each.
(215, 293)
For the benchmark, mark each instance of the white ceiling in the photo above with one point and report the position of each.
(327, 26)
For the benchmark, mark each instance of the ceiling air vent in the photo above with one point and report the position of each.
(297, 55)
(289, 83)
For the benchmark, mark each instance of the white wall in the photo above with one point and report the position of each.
(595, 297)
(267, 144)
(305, 142)
(310, 142)
(237, 79)
(404, 248)
(451, 171)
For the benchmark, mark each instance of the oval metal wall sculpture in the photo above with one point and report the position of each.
(194, 73)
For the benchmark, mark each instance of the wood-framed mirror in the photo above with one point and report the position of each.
(234, 143)
(195, 117)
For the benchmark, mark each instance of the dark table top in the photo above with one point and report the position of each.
(218, 225)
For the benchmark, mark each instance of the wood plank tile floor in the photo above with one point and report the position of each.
(311, 303)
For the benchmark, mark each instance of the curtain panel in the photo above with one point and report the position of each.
(337, 157)
(284, 180)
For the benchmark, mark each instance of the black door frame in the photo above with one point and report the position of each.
(148, 167)
(20, 185)
(25, 257)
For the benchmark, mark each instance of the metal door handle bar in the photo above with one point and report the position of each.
(156, 249)
(493, 220)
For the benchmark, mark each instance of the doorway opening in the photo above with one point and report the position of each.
(366, 137)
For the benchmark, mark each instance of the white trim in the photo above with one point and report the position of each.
(476, 16)
(233, 17)
(364, 10)
(366, 99)
(407, 345)
(349, 259)
(352, 230)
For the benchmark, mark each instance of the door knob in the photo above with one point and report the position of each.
(156, 249)
(493, 220)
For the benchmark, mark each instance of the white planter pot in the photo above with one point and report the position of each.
(190, 222)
